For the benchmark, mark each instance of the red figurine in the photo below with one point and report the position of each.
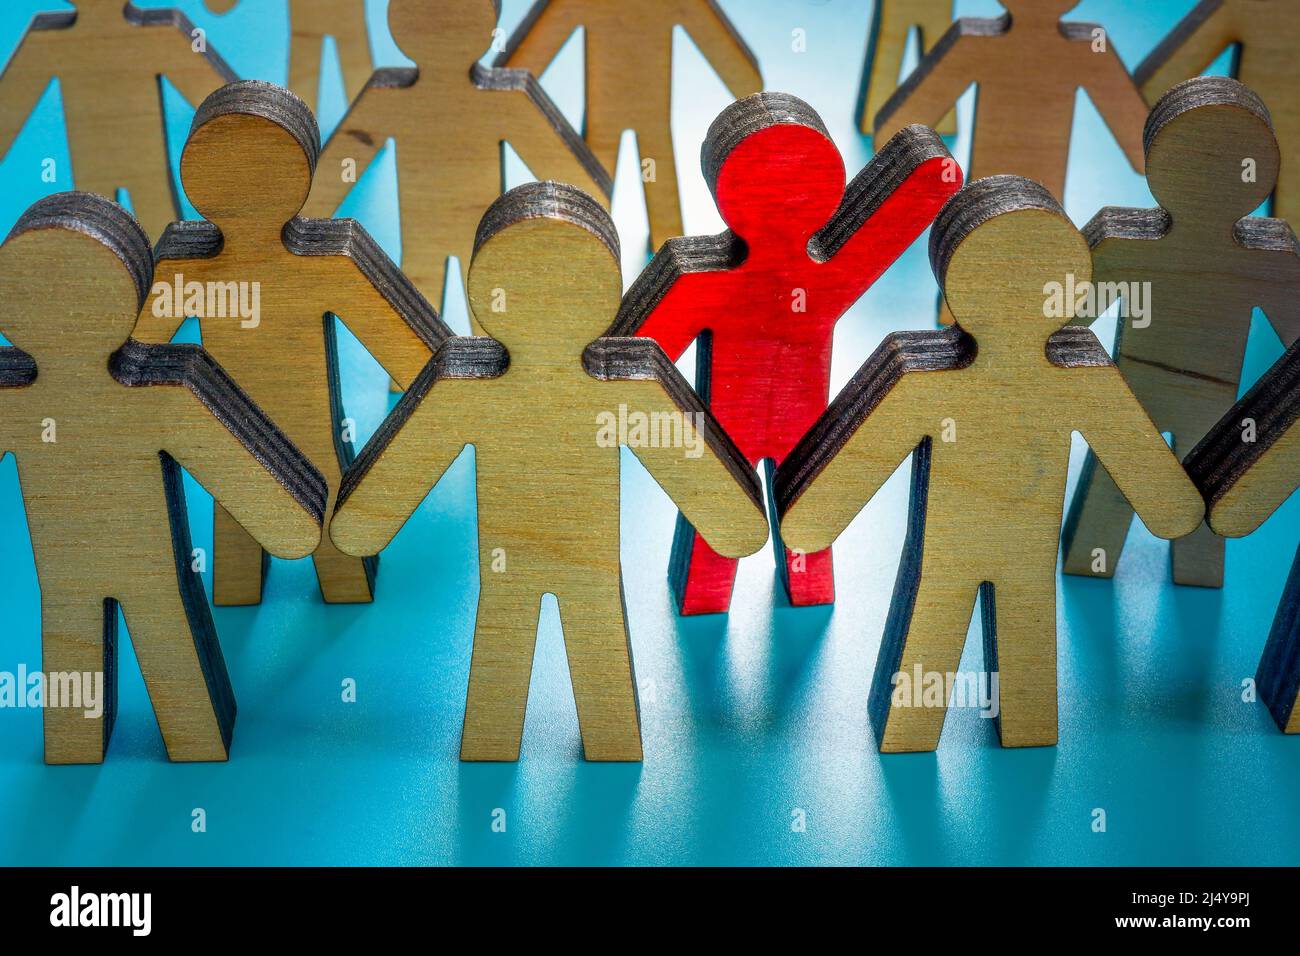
(764, 297)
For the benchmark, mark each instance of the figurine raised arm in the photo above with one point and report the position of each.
(763, 298)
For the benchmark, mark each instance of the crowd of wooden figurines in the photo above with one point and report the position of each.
(90, 309)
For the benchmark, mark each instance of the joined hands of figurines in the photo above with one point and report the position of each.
(1247, 466)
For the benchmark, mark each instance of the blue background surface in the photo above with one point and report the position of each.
(747, 717)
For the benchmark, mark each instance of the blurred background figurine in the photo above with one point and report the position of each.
(310, 21)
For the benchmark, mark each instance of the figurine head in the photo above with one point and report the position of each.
(443, 34)
(545, 279)
(998, 248)
(772, 166)
(251, 155)
(1211, 150)
(74, 274)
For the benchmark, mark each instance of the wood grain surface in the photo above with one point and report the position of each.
(101, 430)
(108, 56)
(448, 117)
(1029, 66)
(763, 298)
(1199, 269)
(1246, 466)
(988, 407)
(1265, 35)
(310, 22)
(247, 167)
(891, 27)
(543, 404)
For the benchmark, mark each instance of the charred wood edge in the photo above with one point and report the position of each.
(1221, 457)
(976, 204)
(612, 359)
(501, 77)
(866, 193)
(1198, 92)
(136, 364)
(269, 102)
(899, 354)
(1174, 41)
(459, 357)
(548, 200)
(963, 27)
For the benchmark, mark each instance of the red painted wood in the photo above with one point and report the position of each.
(766, 374)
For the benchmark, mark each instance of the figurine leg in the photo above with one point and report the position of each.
(894, 22)
(1278, 677)
(701, 578)
(238, 562)
(662, 199)
(600, 665)
(1097, 524)
(304, 55)
(501, 666)
(78, 638)
(924, 636)
(353, 41)
(343, 578)
(1198, 558)
(153, 201)
(1019, 621)
(184, 671)
(809, 579)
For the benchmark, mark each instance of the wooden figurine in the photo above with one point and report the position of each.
(1029, 65)
(310, 21)
(1246, 466)
(108, 56)
(764, 296)
(988, 406)
(1265, 34)
(101, 430)
(449, 116)
(629, 74)
(887, 46)
(1198, 269)
(546, 406)
(266, 286)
